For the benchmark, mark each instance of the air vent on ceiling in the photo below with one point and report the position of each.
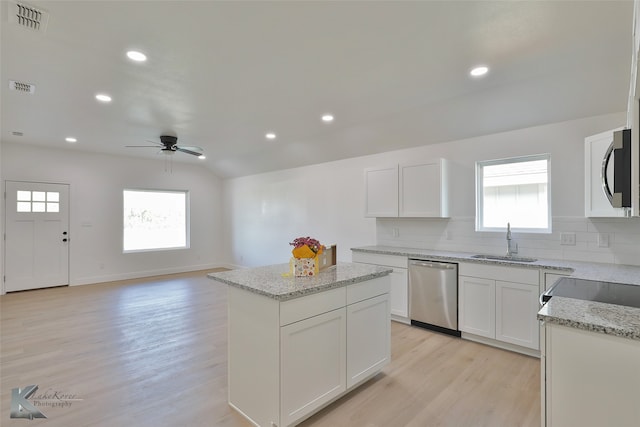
(22, 86)
(28, 16)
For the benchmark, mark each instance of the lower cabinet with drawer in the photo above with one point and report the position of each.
(498, 306)
(288, 359)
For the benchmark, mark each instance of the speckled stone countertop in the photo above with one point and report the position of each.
(583, 270)
(269, 280)
(593, 316)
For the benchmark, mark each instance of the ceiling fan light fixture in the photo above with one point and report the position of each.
(202, 157)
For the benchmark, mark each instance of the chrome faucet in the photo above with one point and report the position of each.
(512, 247)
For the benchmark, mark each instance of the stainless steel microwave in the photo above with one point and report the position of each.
(618, 156)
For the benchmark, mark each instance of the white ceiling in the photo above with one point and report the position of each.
(222, 74)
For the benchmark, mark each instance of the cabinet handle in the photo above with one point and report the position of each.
(603, 173)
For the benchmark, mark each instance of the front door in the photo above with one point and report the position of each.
(37, 235)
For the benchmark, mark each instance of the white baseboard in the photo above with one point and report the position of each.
(502, 345)
(89, 280)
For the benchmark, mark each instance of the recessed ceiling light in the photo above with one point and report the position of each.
(202, 157)
(70, 139)
(134, 55)
(327, 118)
(270, 135)
(479, 71)
(103, 98)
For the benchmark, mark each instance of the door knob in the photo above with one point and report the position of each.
(64, 240)
(64, 233)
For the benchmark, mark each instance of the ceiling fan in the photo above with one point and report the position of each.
(169, 145)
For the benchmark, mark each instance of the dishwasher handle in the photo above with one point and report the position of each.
(430, 264)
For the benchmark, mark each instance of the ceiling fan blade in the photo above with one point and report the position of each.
(155, 142)
(190, 147)
(184, 150)
(141, 146)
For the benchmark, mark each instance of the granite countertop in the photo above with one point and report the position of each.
(593, 316)
(270, 281)
(583, 270)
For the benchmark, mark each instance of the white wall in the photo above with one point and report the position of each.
(96, 184)
(2, 227)
(264, 212)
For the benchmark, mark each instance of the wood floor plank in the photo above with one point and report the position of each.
(153, 352)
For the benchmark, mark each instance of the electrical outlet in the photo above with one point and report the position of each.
(603, 240)
(568, 239)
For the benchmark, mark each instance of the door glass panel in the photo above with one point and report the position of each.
(38, 196)
(38, 206)
(53, 207)
(24, 207)
(53, 196)
(24, 196)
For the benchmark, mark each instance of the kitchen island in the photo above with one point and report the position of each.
(296, 344)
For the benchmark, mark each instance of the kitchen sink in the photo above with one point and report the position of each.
(505, 258)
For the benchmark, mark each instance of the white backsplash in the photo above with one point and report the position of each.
(458, 234)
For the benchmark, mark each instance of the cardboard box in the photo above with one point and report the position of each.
(328, 257)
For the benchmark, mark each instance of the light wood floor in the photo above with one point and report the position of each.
(154, 353)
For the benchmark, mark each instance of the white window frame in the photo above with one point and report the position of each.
(480, 193)
(187, 221)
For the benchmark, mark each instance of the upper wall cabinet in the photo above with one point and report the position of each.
(408, 190)
(596, 203)
(381, 187)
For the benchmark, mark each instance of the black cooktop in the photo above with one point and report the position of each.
(594, 290)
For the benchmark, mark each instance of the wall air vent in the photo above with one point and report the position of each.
(28, 16)
(22, 86)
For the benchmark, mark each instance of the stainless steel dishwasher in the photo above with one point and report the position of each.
(433, 295)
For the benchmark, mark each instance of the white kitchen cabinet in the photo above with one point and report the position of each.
(477, 306)
(368, 326)
(516, 310)
(313, 366)
(590, 379)
(289, 358)
(381, 191)
(498, 306)
(596, 203)
(399, 294)
(408, 190)
(423, 190)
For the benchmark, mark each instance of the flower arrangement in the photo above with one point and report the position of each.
(305, 256)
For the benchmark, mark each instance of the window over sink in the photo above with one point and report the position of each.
(516, 190)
